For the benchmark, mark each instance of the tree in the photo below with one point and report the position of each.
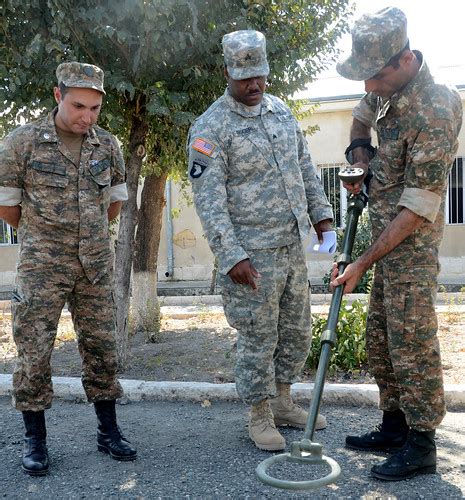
(163, 66)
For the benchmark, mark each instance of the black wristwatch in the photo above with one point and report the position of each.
(359, 143)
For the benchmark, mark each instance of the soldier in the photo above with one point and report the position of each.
(417, 123)
(255, 188)
(61, 181)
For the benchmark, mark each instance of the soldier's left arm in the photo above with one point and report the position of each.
(319, 209)
(11, 180)
(428, 165)
(118, 189)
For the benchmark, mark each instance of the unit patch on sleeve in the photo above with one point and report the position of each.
(197, 169)
(204, 147)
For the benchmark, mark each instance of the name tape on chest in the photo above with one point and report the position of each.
(203, 146)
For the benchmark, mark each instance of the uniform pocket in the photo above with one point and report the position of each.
(392, 158)
(242, 305)
(47, 174)
(100, 172)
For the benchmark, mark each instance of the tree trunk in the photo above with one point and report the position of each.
(145, 306)
(127, 225)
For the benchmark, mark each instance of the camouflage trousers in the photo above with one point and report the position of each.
(273, 323)
(42, 290)
(403, 348)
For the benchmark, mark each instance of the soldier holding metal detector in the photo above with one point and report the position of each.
(417, 123)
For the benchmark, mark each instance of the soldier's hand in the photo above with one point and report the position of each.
(356, 188)
(244, 273)
(322, 227)
(349, 278)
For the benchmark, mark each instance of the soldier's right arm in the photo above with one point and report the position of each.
(11, 182)
(363, 120)
(207, 173)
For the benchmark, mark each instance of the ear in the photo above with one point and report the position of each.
(57, 94)
(225, 72)
(407, 58)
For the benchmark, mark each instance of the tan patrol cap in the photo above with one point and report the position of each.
(80, 75)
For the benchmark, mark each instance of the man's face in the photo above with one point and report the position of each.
(249, 91)
(78, 109)
(390, 79)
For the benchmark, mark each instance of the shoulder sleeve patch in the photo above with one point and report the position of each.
(197, 168)
(203, 146)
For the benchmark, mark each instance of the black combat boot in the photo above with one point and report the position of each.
(109, 437)
(35, 454)
(418, 456)
(389, 436)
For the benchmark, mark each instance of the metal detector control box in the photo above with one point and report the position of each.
(351, 175)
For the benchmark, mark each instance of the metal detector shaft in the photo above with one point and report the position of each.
(356, 203)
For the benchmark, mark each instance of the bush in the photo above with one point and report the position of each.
(361, 243)
(349, 354)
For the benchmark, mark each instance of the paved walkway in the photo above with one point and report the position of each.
(188, 450)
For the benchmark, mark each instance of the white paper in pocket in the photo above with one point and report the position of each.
(328, 246)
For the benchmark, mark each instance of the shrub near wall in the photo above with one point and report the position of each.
(349, 354)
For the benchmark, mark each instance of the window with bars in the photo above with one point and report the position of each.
(8, 235)
(455, 199)
(336, 194)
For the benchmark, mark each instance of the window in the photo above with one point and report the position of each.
(8, 235)
(455, 194)
(336, 194)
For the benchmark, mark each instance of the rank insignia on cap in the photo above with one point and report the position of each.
(204, 147)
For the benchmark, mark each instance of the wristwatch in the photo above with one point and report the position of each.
(359, 143)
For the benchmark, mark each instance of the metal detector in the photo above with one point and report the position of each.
(307, 451)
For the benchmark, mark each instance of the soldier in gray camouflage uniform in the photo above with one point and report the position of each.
(61, 181)
(417, 123)
(255, 188)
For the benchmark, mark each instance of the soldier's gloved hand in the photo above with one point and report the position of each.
(243, 273)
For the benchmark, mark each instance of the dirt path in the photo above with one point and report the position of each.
(202, 348)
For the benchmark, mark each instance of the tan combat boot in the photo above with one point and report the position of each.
(286, 412)
(262, 430)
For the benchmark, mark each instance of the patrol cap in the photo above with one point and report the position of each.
(245, 54)
(80, 75)
(375, 39)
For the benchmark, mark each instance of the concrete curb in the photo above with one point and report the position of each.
(70, 389)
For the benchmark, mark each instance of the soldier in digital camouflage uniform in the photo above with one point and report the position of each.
(255, 188)
(62, 179)
(417, 122)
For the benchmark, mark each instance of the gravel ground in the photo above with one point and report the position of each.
(187, 450)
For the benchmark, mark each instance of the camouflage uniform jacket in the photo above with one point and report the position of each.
(253, 180)
(417, 131)
(63, 205)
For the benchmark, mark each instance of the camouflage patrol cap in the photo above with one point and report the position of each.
(245, 54)
(375, 39)
(80, 75)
